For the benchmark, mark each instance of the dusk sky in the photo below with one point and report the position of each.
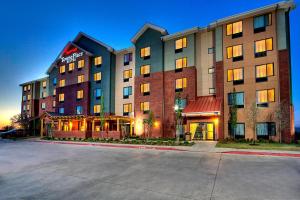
(34, 32)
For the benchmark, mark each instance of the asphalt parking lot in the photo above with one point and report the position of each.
(32, 170)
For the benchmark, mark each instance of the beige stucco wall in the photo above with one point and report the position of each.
(204, 61)
(250, 86)
(119, 101)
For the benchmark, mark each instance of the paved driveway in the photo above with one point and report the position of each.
(30, 170)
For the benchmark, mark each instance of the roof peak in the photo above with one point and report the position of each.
(147, 26)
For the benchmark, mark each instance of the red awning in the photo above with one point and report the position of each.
(203, 106)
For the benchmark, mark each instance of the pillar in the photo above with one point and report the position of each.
(118, 124)
(59, 125)
(84, 124)
(42, 127)
(131, 127)
(93, 125)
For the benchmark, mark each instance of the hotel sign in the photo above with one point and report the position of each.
(72, 57)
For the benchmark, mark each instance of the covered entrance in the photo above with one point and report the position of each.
(202, 130)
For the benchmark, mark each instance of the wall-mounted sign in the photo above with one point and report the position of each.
(71, 58)
(68, 52)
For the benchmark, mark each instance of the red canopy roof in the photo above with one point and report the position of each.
(203, 104)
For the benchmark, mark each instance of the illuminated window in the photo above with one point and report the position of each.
(127, 108)
(145, 70)
(235, 29)
(97, 109)
(54, 92)
(62, 83)
(53, 104)
(98, 60)
(28, 97)
(61, 97)
(145, 88)
(212, 91)
(145, 52)
(97, 76)
(235, 52)
(79, 110)
(180, 44)
(61, 111)
(79, 94)
(24, 107)
(71, 66)
(44, 84)
(264, 71)
(127, 58)
(263, 97)
(28, 107)
(262, 46)
(44, 94)
(235, 75)
(62, 69)
(180, 83)
(80, 78)
(127, 74)
(25, 88)
(180, 63)
(211, 70)
(24, 98)
(43, 105)
(261, 22)
(28, 87)
(80, 64)
(145, 107)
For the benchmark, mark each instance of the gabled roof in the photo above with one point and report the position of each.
(181, 33)
(34, 81)
(202, 106)
(81, 34)
(145, 27)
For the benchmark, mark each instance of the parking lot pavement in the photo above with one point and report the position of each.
(30, 170)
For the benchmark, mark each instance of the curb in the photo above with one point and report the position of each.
(295, 155)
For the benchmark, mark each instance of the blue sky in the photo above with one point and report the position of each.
(34, 32)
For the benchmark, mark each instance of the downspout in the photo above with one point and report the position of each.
(163, 96)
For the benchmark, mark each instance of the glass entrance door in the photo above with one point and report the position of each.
(202, 130)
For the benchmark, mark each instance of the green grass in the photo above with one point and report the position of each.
(262, 146)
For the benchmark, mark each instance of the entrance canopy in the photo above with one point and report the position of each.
(203, 106)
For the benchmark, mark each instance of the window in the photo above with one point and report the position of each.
(79, 110)
(28, 107)
(127, 74)
(62, 69)
(127, 108)
(145, 52)
(145, 107)
(97, 109)
(43, 105)
(126, 92)
(98, 60)
(61, 97)
(61, 110)
(180, 63)
(28, 97)
(79, 94)
(180, 44)
(235, 29)
(97, 77)
(80, 64)
(235, 52)
(54, 92)
(212, 91)
(211, 70)
(262, 46)
(181, 103)
(127, 58)
(264, 71)
(44, 84)
(211, 50)
(97, 93)
(44, 94)
(236, 98)
(71, 67)
(28, 87)
(62, 83)
(54, 81)
(24, 107)
(145, 70)
(263, 97)
(261, 22)
(25, 88)
(80, 78)
(238, 131)
(24, 98)
(236, 76)
(180, 83)
(145, 89)
(265, 129)
(53, 104)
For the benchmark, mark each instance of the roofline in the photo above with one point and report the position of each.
(257, 11)
(125, 49)
(109, 48)
(194, 114)
(181, 33)
(33, 81)
(145, 27)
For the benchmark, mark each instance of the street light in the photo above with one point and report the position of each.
(176, 107)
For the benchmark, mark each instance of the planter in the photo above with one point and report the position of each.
(188, 137)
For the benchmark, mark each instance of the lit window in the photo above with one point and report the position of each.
(54, 92)
(80, 64)
(262, 46)
(235, 52)
(127, 108)
(145, 106)
(97, 76)
(263, 97)
(79, 94)
(145, 88)
(61, 97)
(62, 83)
(180, 84)
(25, 88)
(28, 97)
(44, 84)
(62, 69)
(97, 109)
(127, 58)
(180, 43)
(127, 91)
(24, 107)
(181, 63)
(44, 94)
(97, 93)
(235, 75)
(98, 60)
(127, 74)
(79, 110)
(53, 104)
(236, 98)
(54, 81)
(28, 87)
(80, 79)
(28, 107)
(260, 22)
(61, 110)
(211, 70)
(71, 66)
(235, 29)
(264, 71)
(145, 70)
(145, 52)
(24, 98)
(43, 105)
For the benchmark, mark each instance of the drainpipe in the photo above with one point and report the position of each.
(163, 97)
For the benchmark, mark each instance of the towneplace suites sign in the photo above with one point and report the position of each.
(71, 58)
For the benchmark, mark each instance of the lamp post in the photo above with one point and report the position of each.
(178, 121)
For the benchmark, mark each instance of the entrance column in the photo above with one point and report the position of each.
(93, 125)
(59, 124)
(118, 123)
(42, 127)
(131, 121)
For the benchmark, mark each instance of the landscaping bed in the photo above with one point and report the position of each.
(136, 140)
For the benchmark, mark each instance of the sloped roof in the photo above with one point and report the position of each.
(145, 27)
(203, 105)
(81, 34)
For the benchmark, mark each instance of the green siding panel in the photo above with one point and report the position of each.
(219, 43)
(281, 30)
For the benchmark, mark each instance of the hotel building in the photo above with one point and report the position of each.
(241, 62)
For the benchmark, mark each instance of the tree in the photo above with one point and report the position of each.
(281, 116)
(21, 120)
(148, 124)
(102, 113)
(252, 113)
(233, 112)
(178, 116)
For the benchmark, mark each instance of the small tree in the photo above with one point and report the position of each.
(21, 120)
(178, 116)
(252, 113)
(282, 118)
(102, 113)
(233, 112)
(148, 124)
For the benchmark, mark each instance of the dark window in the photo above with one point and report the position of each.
(97, 93)
(127, 58)
(54, 81)
(264, 130)
(127, 91)
(238, 97)
(211, 50)
(261, 22)
(238, 131)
